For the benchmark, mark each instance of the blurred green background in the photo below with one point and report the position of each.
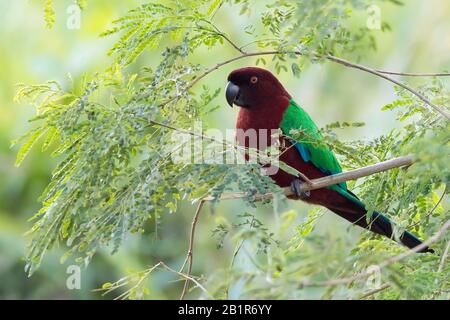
(30, 53)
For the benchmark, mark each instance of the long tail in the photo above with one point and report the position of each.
(355, 212)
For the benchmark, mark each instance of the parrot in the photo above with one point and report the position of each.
(266, 105)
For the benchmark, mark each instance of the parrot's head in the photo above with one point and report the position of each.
(251, 87)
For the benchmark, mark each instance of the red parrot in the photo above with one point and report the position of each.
(266, 105)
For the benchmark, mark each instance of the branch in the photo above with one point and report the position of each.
(432, 210)
(330, 282)
(384, 76)
(413, 74)
(316, 183)
(384, 264)
(225, 37)
(212, 69)
(190, 254)
(444, 257)
(187, 277)
(329, 180)
(379, 73)
(312, 185)
(125, 281)
(374, 291)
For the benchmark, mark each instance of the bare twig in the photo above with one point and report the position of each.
(374, 291)
(413, 74)
(187, 277)
(384, 76)
(444, 257)
(190, 254)
(212, 69)
(330, 180)
(125, 281)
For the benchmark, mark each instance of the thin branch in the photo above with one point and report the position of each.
(392, 260)
(321, 182)
(256, 41)
(264, 158)
(374, 291)
(219, 65)
(225, 37)
(317, 184)
(329, 180)
(444, 257)
(382, 74)
(393, 73)
(413, 74)
(187, 277)
(212, 69)
(190, 254)
(200, 135)
(432, 210)
(125, 281)
(330, 282)
(314, 184)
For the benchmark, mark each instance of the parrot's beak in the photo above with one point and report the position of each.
(232, 93)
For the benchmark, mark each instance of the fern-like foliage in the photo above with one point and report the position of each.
(113, 134)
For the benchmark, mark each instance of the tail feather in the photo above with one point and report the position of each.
(385, 225)
(379, 223)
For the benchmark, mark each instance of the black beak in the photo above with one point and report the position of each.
(232, 92)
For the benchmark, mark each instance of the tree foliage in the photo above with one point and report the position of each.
(113, 135)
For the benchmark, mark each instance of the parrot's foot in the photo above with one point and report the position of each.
(296, 187)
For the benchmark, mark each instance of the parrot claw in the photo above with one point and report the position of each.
(296, 186)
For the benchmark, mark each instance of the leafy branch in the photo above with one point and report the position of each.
(311, 185)
(382, 74)
(439, 233)
(137, 290)
(116, 134)
(332, 179)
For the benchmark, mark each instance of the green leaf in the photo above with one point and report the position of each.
(28, 144)
(214, 5)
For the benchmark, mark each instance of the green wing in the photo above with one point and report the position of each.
(307, 144)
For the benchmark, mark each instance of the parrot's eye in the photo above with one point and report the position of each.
(254, 79)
